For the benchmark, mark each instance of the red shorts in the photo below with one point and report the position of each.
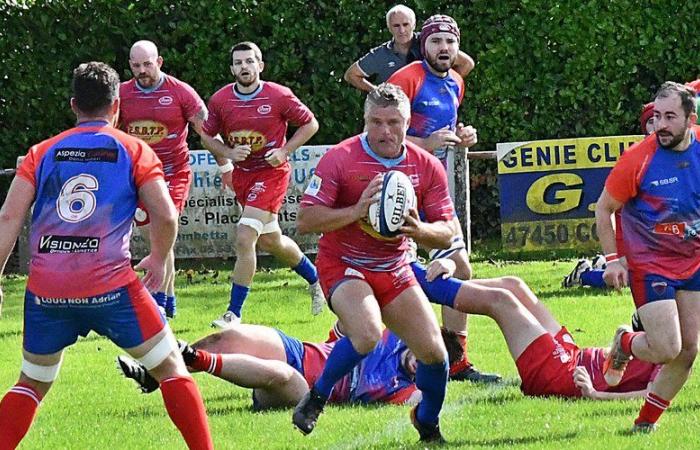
(178, 188)
(546, 367)
(262, 189)
(386, 285)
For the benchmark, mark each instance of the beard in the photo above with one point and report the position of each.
(250, 80)
(441, 66)
(675, 139)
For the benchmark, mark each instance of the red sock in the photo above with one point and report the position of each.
(652, 409)
(464, 362)
(17, 410)
(186, 409)
(208, 362)
(626, 341)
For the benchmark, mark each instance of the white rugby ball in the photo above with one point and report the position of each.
(397, 196)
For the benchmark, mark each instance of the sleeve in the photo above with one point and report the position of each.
(460, 82)
(146, 166)
(619, 237)
(408, 80)
(212, 126)
(369, 62)
(323, 186)
(623, 180)
(294, 111)
(437, 203)
(191, 102)
(28, 166)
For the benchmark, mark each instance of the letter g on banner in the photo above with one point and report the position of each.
(563, 199)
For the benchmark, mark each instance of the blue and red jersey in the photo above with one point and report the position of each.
(434, 100)
(86, 180)
(661, 216)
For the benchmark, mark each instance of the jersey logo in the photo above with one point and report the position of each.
(391, 64)
(86, 155)
(664, 181)
(254, 139)
(68, 244)
(353, 273)
(264, 109)
(165, 101)
(674, 229)
(314, 185)
(149, 131)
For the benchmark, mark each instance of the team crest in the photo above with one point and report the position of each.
(264, 109)
(659, 287)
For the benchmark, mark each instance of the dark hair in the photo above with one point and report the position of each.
(95, 86)
(686, 94)
(455, 351)
(247, 45)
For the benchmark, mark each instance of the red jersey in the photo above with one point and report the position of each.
(160, 116)
(87, 181)
(258, 119)
(637, 376)
(341, 176)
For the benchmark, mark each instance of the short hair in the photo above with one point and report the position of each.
(400, 9)
(95, 87)
(686, 94)
(247, 45)
(385, 95)
(455, 351)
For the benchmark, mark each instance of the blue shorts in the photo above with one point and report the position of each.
(128, 316)
(294, 349)
(648, 287)
(441, 291)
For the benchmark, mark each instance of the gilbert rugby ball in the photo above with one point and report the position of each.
(397, 196)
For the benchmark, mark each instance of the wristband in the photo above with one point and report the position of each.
(226, 168)
(610, 257)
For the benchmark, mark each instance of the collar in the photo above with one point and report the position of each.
(153, 88)
(386, 162)
(247, 97)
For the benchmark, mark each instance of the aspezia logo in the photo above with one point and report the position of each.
(166, 100)
(68, 244)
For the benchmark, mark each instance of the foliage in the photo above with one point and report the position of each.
(569, 68)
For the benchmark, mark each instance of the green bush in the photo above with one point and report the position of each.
(544, 69)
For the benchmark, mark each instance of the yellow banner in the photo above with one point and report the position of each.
(551, 234)
(562, 154)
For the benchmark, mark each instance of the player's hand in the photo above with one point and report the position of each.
(441, 138)
(615, 275)
(155, 272)
(369, 195)
(411, 227)
(582, 380)
(227, 180)
(442, 267)
(467, 135)
(276, 157)
(238, 153)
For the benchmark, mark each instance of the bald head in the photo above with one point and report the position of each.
(145, 63)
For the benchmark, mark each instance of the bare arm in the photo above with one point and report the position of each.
(463, 64)
(278, 156)
(17, 203)
(428, 234)
(615, 272)
(357, 78)
(583, 381)
(163, 215)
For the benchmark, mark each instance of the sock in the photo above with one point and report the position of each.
(159, 297)
(464, 362)
(341, 360)
(238, 296)
(593, 278)
(334, 334)
(17, 410)
(652, 409)
(186, 409)
(306, 270)
(208, 362)
(626, 341)
(170, 304)
(431, 379)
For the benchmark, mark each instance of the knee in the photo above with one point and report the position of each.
(365, 340)
(667, 352)
(246, 238)
(513, 284)
(434, 353)
(502, 304)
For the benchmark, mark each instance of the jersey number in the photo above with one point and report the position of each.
(77, 202)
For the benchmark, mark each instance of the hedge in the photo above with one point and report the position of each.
(544, 69)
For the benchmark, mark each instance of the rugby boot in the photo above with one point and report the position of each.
(307, 411)
(136, 371)
(616, 362)
(427, 433)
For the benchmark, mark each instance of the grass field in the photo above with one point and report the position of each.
(92, 407)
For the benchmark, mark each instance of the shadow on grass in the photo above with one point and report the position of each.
(10, 333)
(511, 441)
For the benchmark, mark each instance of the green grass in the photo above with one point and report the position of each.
(91, 406)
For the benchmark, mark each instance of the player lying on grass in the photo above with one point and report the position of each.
(280, 368)
(548, 360)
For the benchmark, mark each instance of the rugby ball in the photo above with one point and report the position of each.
(396, 198)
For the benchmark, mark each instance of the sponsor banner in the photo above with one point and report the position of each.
(548, 190)
(208, 222)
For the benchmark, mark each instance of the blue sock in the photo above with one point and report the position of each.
(159, 297)
(170, 305)
(307, 270)
(431, 379)
(238, 296)
(440, 291)
(341, 360)
(593, 278)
